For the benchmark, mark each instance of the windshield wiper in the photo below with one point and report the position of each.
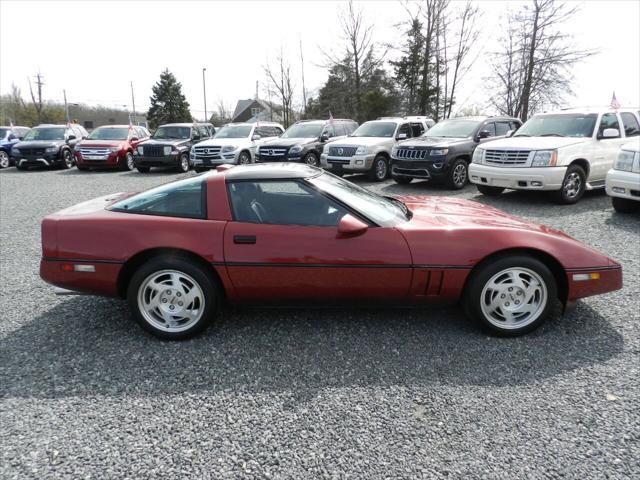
(408, 213)
(552, 135)
(522, 135)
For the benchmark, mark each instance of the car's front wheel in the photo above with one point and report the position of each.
(4, 159)
(312, 159)
(457, 176)
(511, 295)
(172, 298)
(183, 163)
(490, 191)
(127, 163)
(573, 186)
(624, 205)
(244, 158)
(67, 159)
(379, 169)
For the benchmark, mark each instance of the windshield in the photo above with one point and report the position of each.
(453, 129)
(375, 129)
(559, 125)
(173, 133)
(383, 211)
(45, 134)
(109, 134)
(303, 130)
(4, 132)
(234, 131)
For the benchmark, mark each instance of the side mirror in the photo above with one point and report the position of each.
(71, 137)
(401, 136)
(256, 137)
(195, 138)
(610, 133)
(134, 139)
(324, 137)
(510, 133)
(350, 226)
(484, 134)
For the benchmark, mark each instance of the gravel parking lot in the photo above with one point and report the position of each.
(290, 393)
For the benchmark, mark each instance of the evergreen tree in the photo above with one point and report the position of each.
(168, 103)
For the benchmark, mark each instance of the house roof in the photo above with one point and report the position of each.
(241, 106)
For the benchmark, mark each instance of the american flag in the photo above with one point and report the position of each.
(11, 124)
(615, 104)
(330, 117)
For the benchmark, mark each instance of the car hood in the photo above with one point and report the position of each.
(289, 142)
(534, 143)
(221, 141)
(39, 144)
(432, 142)
(361, 141)
(100, 143)
(176, 142)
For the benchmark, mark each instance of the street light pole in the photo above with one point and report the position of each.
(204, 92)
(133, 102)
(66, 107)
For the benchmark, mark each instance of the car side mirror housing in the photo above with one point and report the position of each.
(350, 226)
(256, 137)
(401, 136)
(510, 133)
(484, 134)
(610, 133)
(324, 137)
(71, 137)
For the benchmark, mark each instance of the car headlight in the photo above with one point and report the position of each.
(51, 149)
(296, 149)
(624, 161)
(114, 149)
(361, 150)
(229, 148)
(394, 151)
(544, 158)
(167, 150)
(439, 151)
(139, 150)
(478, 156)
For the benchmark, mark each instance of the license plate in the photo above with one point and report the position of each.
(95, 157)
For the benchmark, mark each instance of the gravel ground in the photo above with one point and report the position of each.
(284, 393)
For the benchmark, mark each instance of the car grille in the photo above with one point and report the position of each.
(208, 153)
(506, 158)
(31, 151)
(272, 153)
(342, 151)
(411, 153)
(153, 150)
(93, 151)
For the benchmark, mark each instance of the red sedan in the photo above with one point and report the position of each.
(292, 233)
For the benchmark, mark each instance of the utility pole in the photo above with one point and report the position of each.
(204, 92)
(66, 107)
(304, 91)
(133, 102)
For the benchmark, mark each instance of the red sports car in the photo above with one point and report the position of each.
(293, 233)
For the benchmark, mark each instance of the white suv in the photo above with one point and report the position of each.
(233, 143)
(623, 180)
(368, 149)
(568, 151)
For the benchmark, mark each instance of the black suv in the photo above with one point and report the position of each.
(303, 141)
(48, 146)
(169, 146)
(444, 152)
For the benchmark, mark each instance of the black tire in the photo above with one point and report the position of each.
(484, 272)
(183, 163)
(624, 205)
(490, 191)
(181, 265)
(5, 161)
(244, 158)
(143, 169)
(402, 180)
(379, 169)
(312, 159)
(127, 163)
(573, 186)
(67, 159)
(458, 175)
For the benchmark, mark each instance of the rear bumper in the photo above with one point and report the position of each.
(623, 184)
(525, 178)
(103, 281)
(610, 279)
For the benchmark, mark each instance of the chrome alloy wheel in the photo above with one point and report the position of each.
(460, 174)
(170, 300)
(381, 169)
(130, 164)
(514, 298)
(4, 159)
(572, 185)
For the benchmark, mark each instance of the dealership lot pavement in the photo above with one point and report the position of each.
(300, 393)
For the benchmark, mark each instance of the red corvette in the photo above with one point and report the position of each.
(293, 233)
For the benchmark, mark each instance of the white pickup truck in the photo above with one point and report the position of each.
(568, 152)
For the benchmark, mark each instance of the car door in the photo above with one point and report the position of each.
(283, 245)
(488, 127)
(605, 149)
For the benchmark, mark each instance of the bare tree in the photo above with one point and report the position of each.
(534, 65)
(432, 13)
(280, 78)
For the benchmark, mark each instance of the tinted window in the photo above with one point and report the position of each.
(559, 125)
(630, 123)
(55, 133)
(329, 131)
(417, 129)
(108, 133)
(453, 128)
(303, 130)
(376, 129)
(185, 198)
(170, 132)
(502, 128)
(283, 202)
(203, 131)
(608, 120)
(489, 127)
(404, 128)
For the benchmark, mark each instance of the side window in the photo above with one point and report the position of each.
(491, 128)
(514, 125)
(608, 120)
(340, 131)
(329, 131)
(502, 128)
(630, 124)
(404, 128)
(204, 131)
(417, 129)
(283, 202)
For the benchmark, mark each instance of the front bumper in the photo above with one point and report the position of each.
(434, 168)
(297, 157)
(212, 161)
(610, 279)
(357, 163)
(164, 161)
(525, 178)
(109, 161)
(623, 184)
(43, 160)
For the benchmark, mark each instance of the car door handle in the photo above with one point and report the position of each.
(244, 239)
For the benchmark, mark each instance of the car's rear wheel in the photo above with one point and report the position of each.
(127, 163)
(67, 159)
(573, 186)
(402, 180)
(143, 169)
(172, 298)
(511, 295)
(624, 205)
(457, 176)
(490, 191)
(312, 159)
(379, 169)
(183, 165)
(4, 159)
